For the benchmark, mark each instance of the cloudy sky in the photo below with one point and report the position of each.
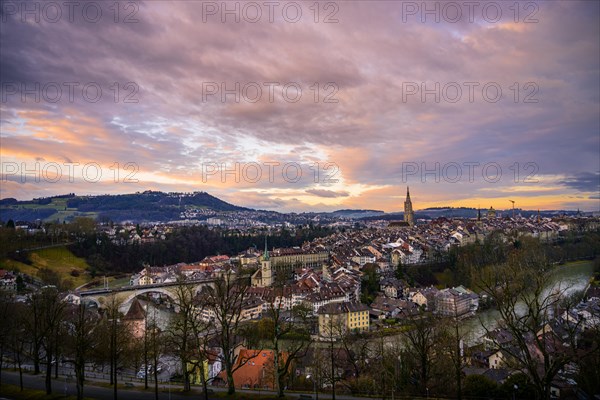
(299, 106)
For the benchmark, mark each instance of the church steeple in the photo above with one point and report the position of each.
(266, 272)
(266, 253)
(409, 216)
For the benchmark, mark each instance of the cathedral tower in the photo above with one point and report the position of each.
(409, 215)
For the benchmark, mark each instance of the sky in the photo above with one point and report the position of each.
(304, 106)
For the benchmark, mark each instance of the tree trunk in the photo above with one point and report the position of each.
(280, 385)
(230, 383)
(115, 382)
(79, 375)
(204, 382)
(186, 375)
(49, 372)
(146, 354)
(36, 359)
(332, 372)
(20, 369)
(1, 361)
(56, 367)
(112, 363)
(155, 386)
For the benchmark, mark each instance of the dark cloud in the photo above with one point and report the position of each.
(583, 181)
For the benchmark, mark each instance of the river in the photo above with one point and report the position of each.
(570, 277)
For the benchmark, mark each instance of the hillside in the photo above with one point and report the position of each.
(58, 259)
(146, 206)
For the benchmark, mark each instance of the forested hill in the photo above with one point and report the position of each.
(145, 206)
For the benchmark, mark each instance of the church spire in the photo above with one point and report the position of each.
(266, 253)
(408, 210)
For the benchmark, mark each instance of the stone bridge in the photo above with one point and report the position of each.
(125, 295)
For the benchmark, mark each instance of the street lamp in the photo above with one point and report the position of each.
(516, 387)
(309, 376)
(169, 382)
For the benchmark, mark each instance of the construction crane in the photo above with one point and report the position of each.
(513, 207)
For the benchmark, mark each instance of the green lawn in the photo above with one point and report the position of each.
(58, 259)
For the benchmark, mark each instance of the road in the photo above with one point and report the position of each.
(166, 392)
(95, 392)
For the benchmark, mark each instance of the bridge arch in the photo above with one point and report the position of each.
(126, 301)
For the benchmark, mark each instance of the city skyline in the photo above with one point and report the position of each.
(361, 98)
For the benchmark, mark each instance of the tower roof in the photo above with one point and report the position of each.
(136, 311)
(266, 253)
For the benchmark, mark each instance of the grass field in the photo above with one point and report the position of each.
(62, 212)
(58, 259)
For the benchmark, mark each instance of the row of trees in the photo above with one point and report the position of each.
(46, 331)
(185, 244)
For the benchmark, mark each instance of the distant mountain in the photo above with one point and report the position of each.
(355, 214)
(146, 206)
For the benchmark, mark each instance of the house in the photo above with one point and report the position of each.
(8, 281)
(424, 297)
(393, 288)
(251, 308)
(456, 302)
(337, 318)
(211, 366)
(255, 369)
(393, 308)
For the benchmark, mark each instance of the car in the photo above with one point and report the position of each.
(141, 374)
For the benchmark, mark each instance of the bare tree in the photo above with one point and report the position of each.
(357, 347)
(181, 329)
(19, 337)
(7, 325)
(34, 326)
(520, 290)
(332, 329)
(52, 312)
(203, 332)
(155, 346)
(290, 339)
(421, 340)
(82, 335)
(224, 302)
(117, 334)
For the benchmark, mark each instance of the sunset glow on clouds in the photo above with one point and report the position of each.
(359, 132)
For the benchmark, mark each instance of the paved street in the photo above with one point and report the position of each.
(96, 392)
(136, 393)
